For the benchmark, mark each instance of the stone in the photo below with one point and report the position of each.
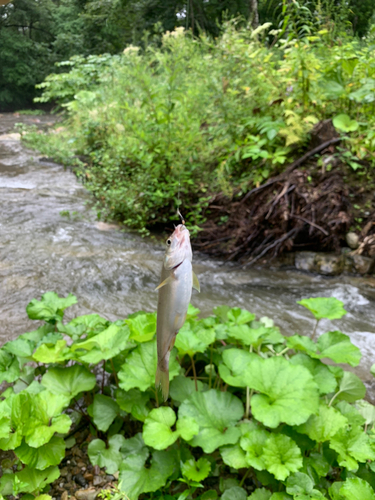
(305, 261)
(79, 479)
(363, 265)
(329, 264)
(96, 470)
(352, 239)
(88, 476)
(64, 495)
(64, 471)
(87, 494)
(98, 480)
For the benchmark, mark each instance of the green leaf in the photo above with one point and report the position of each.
(234, 493)
(253, 443)
(351, 388)
(35, 480)
(356, 488)
(235, 315)
(338, 347)
(142, 326)
(105, 411)
(157, 428)
(181, 388)
(256, 336)
(135, 479)
(288, 392)
(325, 425)
(209, 495)
(301, 486)
(140, 367)
(193, 338)
(352, 446)
(351, 413)
(20, 347)
(324, 307)
(196, 471)
(69, 381)
(134, 402)
(9, 367)
(234, 456)
(372, 370)
(324, 379)
(367, 410)
(88, 324)
(344, 123)
(236, 363)
(105, 345)
(260, 494)
(44, 456)
(281, 456)
(109, 457)
(187, 428)
(55, 354)
(216, 413)
(50, 308)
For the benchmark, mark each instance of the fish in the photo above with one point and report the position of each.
(175, 289)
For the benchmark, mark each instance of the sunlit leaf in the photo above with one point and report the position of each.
(54, 354)
(50, 308)
(352, 446)
(300, 485)
(196, 470)
(344, 123)
(324, 379)
(236, 363)
(324, 307)
(69, 381)
(324, 425)
(253, 444)
(142, 326)
(193, 338)
(9, 367)
(44, 456)
(234, 456)
(36, 480)
(281, 456)
(157, 428)
(356, 488)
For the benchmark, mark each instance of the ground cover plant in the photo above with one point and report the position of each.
(252, 414)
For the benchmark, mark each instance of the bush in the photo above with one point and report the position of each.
(249, 408)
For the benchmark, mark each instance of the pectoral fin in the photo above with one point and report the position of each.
(196, 284)
(165, 282)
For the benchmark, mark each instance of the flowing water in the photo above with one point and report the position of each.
(114, 273)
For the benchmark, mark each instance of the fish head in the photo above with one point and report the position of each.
(178, 247)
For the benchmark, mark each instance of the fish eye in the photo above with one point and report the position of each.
(169, 241)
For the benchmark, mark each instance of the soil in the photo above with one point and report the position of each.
(312, 205)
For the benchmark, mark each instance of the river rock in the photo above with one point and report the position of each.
(88, 494)
(352, 240)
(363, 265)
(329, 264)
(305, 261)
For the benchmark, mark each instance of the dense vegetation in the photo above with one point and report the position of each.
(252, 412)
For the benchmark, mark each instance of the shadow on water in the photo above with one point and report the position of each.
(114, 273)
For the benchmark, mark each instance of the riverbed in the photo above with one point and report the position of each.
(50, 240)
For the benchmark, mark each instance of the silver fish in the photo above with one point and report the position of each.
(177, 281)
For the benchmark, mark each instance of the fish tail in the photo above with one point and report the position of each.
(162, 378)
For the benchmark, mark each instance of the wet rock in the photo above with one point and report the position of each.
(363, 265)
(76, 470)
(328, 264)
(305, 261)
(96, 470)
(79, 479)
(88, 476)
(352, 240)
(88, 494)
(109, 478)
(98, 480)
(64, 495)
(64, 471)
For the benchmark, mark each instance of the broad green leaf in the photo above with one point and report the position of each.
(50, 308)
(134, 445)
(109, 457)
(260, 494)
(338, 347)
(351, 388)
(20, 347)
(216, 413)
(352, 446)
(318, 462)
(17, 408)
(351, 413)
(367, 410)
(193, 338)
(234, 493)
(39, 334)
(324, 307)
(135, 402)
(281, 456)
(196, 470)
(288, 392)
(255, 336)
(105, 410)
(135, 479)
(88, 324)
(69, 381)
(157, 428)
(236, 363)
(300, 485)
(209, 495)
(187, 428)
(54, 354)
(9, 367)
(344, 123)
(105, 345)
(192, 312)
(235, 315)
(357, 489)
(140, 367)
(181, 387)
(234, 456)
(142, 326)
(325, 425)
(35, 480)
(253, 443)
(324, 379)
(301, 343)
(44, 456)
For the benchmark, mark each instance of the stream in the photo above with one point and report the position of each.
(50, 240)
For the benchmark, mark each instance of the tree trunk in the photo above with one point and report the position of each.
(254, 15)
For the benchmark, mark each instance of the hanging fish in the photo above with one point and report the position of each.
(177, 281)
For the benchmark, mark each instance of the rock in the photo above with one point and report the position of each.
(89, 477)
(64, 471)
(10, 137)
(363, 265)
(96, 470)
(98, 480)
(88, 494)
(352, 240)
(64, 495)
(305, 261)
(109, 478)
(76, 470)
(79, 479)
(329, 264)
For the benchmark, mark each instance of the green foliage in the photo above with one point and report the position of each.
(276, 413)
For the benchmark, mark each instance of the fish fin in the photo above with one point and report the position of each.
(196, 284)
(165, 282)
(162, 378)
